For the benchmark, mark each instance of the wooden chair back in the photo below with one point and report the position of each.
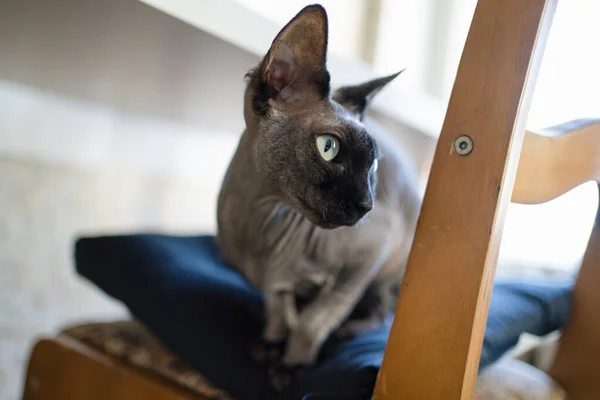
(436, 338)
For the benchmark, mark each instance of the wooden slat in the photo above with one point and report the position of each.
(557, 160)
(578, 357)
(65, 369)
(435, 342)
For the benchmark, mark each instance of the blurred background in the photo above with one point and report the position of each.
(120, 116)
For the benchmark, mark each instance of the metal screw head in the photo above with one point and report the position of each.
(463, 145)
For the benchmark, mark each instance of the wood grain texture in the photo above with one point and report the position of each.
(556, 160)
(435, 342)
(61, 368)
(578, 356)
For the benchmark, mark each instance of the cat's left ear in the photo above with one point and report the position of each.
(357, 98)
(295, 66)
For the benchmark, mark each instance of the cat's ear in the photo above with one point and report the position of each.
(357, 98)
(295, 66)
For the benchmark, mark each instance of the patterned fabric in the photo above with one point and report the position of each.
(129, 342)
(132, 344)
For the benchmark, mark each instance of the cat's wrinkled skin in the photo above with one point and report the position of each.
(325, 241)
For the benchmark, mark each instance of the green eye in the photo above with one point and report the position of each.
(328, 147)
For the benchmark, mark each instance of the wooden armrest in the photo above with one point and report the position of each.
(557, 160)
(63, 368)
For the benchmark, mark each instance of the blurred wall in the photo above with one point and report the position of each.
(113, 118)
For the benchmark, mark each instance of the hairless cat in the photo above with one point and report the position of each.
(317, 208)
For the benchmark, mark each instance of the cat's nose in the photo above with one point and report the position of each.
(366, 205)
(365, 201)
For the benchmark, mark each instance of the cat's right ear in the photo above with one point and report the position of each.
(356, 99)
(294, 69)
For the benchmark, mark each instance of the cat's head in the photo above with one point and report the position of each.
(311, 145)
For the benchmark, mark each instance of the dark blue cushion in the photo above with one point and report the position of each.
(208, 314)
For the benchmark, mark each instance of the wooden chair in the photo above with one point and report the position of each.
(62, 368)
(437, 335)
(434, 347)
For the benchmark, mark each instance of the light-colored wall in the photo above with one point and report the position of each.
(134, 174)
(113, 118)
(126, 55)
(346, 18)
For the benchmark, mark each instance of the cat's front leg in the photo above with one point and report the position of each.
(372, 309)
(327, 312)
(281, 316)
(315, 324)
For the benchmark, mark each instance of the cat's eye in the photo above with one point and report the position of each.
(328, 147)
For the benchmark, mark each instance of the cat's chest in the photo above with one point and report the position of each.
(300, 255)
(295, 250)
(274, 246)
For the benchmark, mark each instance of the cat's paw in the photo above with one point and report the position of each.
(303, 347)
(267, 352)
(280, 376)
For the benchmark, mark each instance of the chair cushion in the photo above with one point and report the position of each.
(207, 314)
(132, 344)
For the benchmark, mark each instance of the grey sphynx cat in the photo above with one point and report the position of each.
(316, 209)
